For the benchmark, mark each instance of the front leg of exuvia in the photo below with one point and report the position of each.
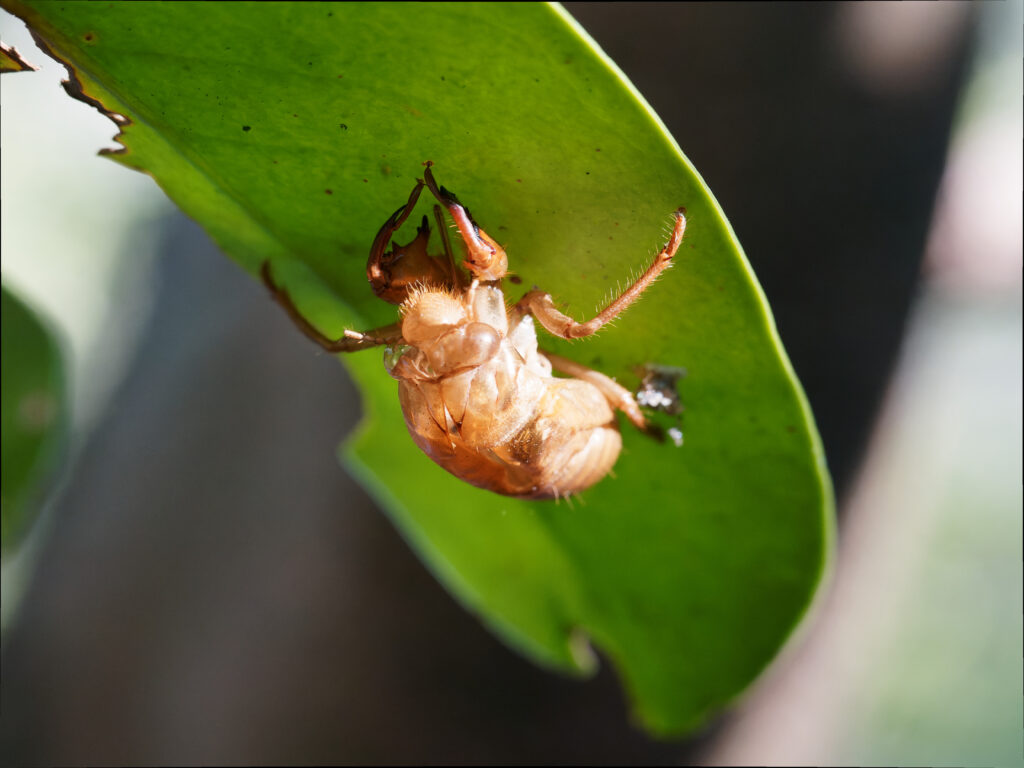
(485, 259)
(394, 274)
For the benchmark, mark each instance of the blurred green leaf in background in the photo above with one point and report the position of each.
(33, 417)
(291, 131)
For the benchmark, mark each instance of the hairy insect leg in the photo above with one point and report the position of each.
(351, 341)
(485, 259)
(540, 305)
(617, 395)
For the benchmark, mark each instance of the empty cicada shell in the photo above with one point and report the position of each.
(478, 395)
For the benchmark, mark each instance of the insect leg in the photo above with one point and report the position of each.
(449, 255)
(390, 226)
(485, 259)
(351, 341)
(617, 395)
(539, 304)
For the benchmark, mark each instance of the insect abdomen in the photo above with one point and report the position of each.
(568, 442)
(572, 440)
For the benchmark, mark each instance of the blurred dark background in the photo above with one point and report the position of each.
(186, 609)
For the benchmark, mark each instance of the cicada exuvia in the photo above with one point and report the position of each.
(478, 395)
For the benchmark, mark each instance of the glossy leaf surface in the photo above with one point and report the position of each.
(292, 131)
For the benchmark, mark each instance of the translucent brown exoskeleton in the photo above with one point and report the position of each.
(478, 395)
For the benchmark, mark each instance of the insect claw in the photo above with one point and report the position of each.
(450, 198)
(485, 258)
(444, 195)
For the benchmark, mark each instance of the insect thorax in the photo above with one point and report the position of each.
(462, 371)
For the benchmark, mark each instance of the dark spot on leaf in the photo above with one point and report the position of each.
(89, 37)
(343, 126)
(275, 162)
(519, 181)
(515, 279)
(246, 127)
(597, 149)
(790, 428)
(366, 181)
(328, 192)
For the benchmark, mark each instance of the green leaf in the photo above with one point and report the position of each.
(32, 415)
(292, 131)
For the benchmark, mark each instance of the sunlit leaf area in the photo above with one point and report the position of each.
(237, 512)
